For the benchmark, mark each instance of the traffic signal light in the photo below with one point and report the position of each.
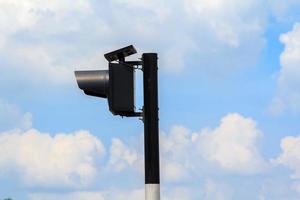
(116, 84)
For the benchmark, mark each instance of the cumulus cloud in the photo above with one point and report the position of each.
(289, 157)
(233, 145)
(44, 160)
(288, 94)
(12, 117)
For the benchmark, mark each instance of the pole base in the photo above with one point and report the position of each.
(152, 191)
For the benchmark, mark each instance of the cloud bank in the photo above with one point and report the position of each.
(45, 41)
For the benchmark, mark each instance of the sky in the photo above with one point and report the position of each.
(229, 99)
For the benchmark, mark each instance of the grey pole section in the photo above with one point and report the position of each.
(150, 110)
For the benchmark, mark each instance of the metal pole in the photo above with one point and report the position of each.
(152, 187)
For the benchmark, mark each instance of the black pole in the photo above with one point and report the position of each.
(151, 126)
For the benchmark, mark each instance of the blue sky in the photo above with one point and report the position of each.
(228, 95)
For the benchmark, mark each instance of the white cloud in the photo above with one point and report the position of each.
(12, 117)
(42, 160)
(290, 156)
(288, 94)
(233, 145)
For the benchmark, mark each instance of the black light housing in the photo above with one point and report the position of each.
(116, 84)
